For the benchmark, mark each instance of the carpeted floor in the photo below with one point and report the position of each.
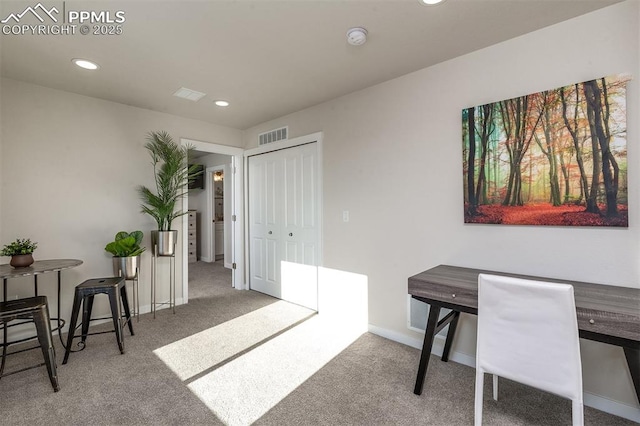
(209, 280)
(153, 383)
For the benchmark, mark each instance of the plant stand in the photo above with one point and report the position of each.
(124, 269)
(136, 291)
(172, 280)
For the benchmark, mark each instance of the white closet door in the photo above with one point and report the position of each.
(300, 220)
(283, 214)
(265, 216)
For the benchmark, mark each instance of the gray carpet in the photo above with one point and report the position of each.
(369, 383)
(209, 280)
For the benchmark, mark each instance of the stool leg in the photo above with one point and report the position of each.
(4, 347)
(43, 327)
(114, 301)
(72, 325)
(127, 310)
(87, 307)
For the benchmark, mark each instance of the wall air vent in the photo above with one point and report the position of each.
(274, 135)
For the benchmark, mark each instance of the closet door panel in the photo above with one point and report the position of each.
(264, 218)
(284, 186)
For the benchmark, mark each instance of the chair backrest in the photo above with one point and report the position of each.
(528, 332)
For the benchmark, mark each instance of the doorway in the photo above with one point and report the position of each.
(214, 158)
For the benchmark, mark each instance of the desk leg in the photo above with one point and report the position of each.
(430, 332)
(633, 360)
(450, 334)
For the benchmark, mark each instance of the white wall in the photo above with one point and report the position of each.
(69, 170)
(392, 157)
(1, 185)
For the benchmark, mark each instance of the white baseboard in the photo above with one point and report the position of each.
(590, 400)
(396, 337)
(205, 259)
(610, 406)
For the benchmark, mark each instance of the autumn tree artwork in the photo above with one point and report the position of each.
(557, 157)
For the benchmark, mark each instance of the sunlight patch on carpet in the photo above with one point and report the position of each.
(199, 352)
(242, 391)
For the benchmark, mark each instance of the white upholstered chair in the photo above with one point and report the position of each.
(528, 333)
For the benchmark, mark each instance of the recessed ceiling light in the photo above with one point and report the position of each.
(222, 103)
(83, 63)
(430, 2)
(189, 94)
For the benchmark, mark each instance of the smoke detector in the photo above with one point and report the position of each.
(357, 36)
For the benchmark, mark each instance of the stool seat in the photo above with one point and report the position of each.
(115, 288)
(16, 308)
(35, 308)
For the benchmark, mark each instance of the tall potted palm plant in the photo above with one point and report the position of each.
(172, 175)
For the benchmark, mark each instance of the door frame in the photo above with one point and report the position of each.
(237, 197)
(277, 146)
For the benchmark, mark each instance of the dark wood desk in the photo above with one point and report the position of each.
(608, 314)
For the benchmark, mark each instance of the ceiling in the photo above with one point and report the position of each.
(268, 58)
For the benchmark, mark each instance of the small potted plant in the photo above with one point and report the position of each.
(172, 175)
(20, 251)
(126, 252)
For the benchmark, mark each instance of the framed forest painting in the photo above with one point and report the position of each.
(557, 157)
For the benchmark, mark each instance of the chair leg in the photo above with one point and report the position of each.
(477, 412)
(127, 311)
(72, 325)
(495, 387)
(114, 301)
(43, 327)
(577, 413)
(87, 307)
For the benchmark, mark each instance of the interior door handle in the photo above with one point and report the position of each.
(291, 234)
(270, 232)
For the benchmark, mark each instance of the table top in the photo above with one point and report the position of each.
(604, 309)
(38, 267)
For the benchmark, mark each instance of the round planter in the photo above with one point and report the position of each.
(21, 260)
(164, 242)
(126, 267)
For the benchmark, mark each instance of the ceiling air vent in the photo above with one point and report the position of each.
(189, 94)
(273, 135)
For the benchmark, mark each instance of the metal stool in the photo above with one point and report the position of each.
(34, 308)
(117, 291)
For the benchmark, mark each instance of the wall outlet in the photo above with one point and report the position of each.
(345, 215)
